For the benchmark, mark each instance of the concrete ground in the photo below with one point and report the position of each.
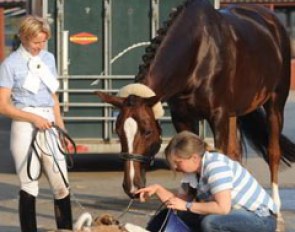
(96, 185)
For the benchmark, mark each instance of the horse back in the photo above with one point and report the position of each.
(257, 63)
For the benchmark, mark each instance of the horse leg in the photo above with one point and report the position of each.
(234, 146)
(225, 135)
(275, 117)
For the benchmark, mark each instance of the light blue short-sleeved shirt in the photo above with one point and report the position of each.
(13, 72)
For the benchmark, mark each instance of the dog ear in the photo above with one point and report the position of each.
(97, 221)
(108, 220)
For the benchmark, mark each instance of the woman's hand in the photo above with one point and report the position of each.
(162, 193)
(41, 123)
(146, 193)
(176, 203)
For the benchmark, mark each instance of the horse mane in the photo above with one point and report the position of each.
(151, 50)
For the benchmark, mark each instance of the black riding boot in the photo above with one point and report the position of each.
(63, 213)
(27, 212)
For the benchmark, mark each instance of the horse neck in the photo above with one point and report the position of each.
(175, 58)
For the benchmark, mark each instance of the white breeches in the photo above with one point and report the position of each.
(50, 156)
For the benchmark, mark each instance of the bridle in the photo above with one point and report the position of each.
(148, 160)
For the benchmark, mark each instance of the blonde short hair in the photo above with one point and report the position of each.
(184, 145)
(31, 26)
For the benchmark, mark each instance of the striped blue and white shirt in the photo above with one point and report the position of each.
(220, 173)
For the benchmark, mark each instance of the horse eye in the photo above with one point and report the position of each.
(147, 133)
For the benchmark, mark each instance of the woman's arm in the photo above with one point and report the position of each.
(57, 115)
(163, 194)
(8, 110)
(221, 204)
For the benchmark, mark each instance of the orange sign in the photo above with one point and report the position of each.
(83, 38)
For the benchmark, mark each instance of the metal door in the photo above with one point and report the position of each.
(99, 45)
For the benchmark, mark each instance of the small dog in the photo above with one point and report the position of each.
(104, 223)
(110, 224)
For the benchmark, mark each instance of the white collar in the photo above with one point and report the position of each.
(25, 53)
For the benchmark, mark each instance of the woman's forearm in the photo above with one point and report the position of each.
(163, 194)
(57, 115)
(221, 204)
(212, 207)
(17, 114)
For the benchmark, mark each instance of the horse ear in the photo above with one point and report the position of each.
(151, 101)
(155, 103)
(113, 100)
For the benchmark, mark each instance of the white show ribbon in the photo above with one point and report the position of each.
(38, 71)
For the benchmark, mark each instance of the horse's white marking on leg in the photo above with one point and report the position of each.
(130, 128)
(277, 200)
(276, 195)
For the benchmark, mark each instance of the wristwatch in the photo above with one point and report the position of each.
(189, 205)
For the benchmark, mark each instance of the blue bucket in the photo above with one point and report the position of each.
(174, 223)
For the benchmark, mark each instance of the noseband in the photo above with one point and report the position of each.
(138, 158)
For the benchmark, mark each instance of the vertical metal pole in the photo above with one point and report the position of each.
(110, 84)
(45, 8)
(217, 4)
(155, 22)
(62, 52)
(65, 69)
(107, 61)
(45, 13)
(2, 34)
(59, 33)
(202, 129)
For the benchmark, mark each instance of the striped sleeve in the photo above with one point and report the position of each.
(220, 176)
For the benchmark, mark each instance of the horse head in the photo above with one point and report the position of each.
(138, 130)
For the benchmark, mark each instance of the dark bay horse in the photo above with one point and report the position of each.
(230, 67)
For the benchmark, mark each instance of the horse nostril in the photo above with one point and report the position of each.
(136, 196)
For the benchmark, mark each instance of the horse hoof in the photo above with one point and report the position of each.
(280, 224)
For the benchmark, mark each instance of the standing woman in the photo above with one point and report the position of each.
(28, 88)
(217, 193)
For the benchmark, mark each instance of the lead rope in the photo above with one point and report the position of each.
(125, 211)
(82, 208)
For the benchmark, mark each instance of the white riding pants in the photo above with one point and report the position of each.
(20, 142)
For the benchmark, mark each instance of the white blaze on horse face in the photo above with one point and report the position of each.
(130, 129)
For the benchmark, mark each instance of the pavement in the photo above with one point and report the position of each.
(96, 185)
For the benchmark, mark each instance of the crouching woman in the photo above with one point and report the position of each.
(216, 194)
